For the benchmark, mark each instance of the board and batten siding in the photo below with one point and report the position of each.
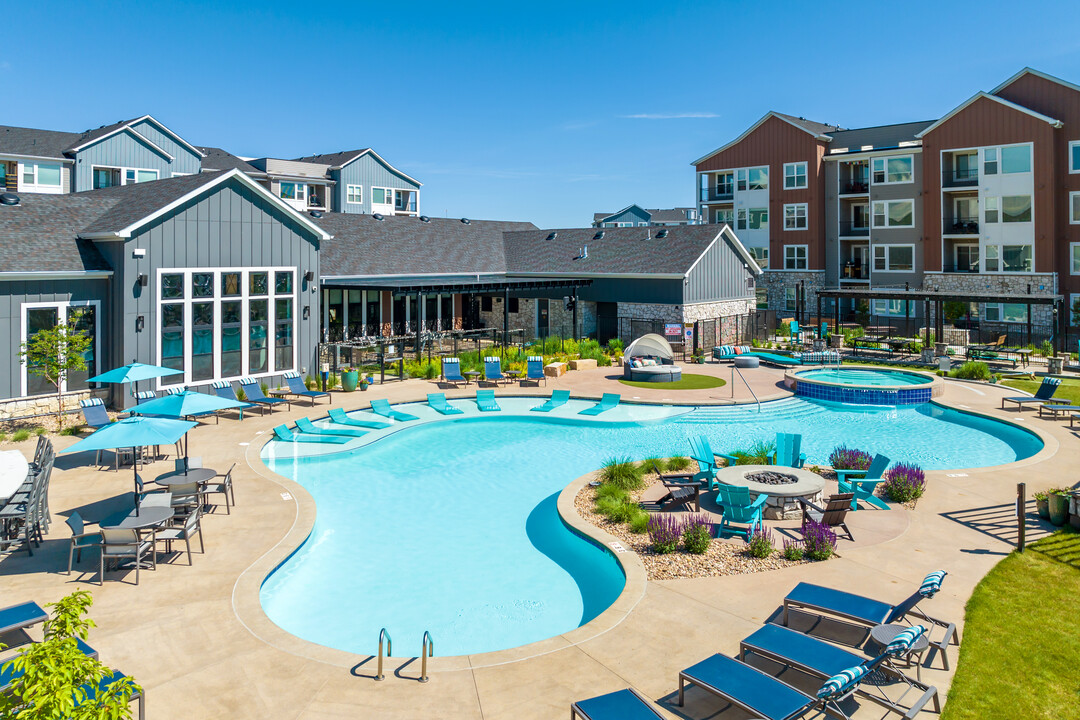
(633, 215)
(14, 294)
(184, 160)
(119, 150)
(720, 274)
(368, 173)
(233, 227)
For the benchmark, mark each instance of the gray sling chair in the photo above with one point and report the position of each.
(79, 538)
(222, 484)
(118, 545)
(183, 532)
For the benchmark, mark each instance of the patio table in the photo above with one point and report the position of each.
(471, 376)
(148, 518)
(885, 634)
(13, 470)
(181, 477)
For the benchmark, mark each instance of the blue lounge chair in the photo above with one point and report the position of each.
(824, 660)
(254, 394)
(493, 370)
(305, 425)
(787, 450)
(144, 395)
(224, 389)
(285, 434)
(861, 483)
(534, 369)
(485, 400)
(23, 615)
(437, 401)
(94, 413)
(340, 417)
(735, 501)
(382, 407)
(607, 402)
(451, 370)
(1043, 396)
(620, 705)
(297, 387)
(861, 610)
(558, 397)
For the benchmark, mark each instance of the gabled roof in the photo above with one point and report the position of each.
(600, 217)
(1037, 73)
(338, 160)
(994, 98)
(218, 159)
(654, 214)
(34, 142)
(96, 135)
(879, 137)
(820, 131)
(40, 234)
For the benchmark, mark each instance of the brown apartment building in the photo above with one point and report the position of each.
(985, 200)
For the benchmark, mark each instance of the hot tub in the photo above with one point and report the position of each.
(865, 385)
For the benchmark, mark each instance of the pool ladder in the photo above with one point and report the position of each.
(427, 649)
(389, 651)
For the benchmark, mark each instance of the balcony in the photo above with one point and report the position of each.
(961, 268)
(718, 193)
(851, 270)
(960, 178)
(960, 226)
(853, 229)
(855, 186)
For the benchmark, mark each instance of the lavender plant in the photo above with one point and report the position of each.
(845, 458)
(664, 533)
(904, 482)
(697, 534)
(819, 541)
(760, 542)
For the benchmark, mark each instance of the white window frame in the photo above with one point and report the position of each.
(1074, 208)
(359, 193)
(1074, 258)
(245, 319)
(888, 204)
(123, 173)
(892, 308)
(762, 213)
(765, 172)
(22, 167)
(1031, 159)
(1073, 170)
(388, 196)
(1000, 307)
(791, 299)
(794, 176)
(791, 212)
(730, 213)
(301, 197)
(1031, 210)
(62, 307)
(886, 253)
(176, 174)
(885, 160)
(792, 258)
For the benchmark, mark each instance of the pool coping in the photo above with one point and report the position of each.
(248, 609)
(934, 383)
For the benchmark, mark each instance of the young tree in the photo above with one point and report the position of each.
(55, 680)
(54, 353)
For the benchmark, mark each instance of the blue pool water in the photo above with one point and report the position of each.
(452, 527)
(868, 378)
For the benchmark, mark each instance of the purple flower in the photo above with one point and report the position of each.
(664, 533)
(819, 540)
(845, 458)
(904, 482)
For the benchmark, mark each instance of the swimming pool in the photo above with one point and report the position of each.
(451, 526)
(865, 386)
(865, 377)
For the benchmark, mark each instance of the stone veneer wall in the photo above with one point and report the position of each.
(1006, 284)
(559, 318)
(776, 284)
(651, 311)
(40, 404)
(713, 310)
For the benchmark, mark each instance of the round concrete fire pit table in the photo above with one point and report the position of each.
(783, 498)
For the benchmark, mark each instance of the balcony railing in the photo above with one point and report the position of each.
(961, 226)
(855, 186)
(960, 177)
(961, 268)
(854, 271)
(852, 229)
(718, 193)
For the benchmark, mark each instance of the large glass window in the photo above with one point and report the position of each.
(172, 286)
(1016, 159)
(759, 178)
(172, 336)
(1016, 258)
(894, 258)
(1074, 156)
(42, 175)
(43, 317)
(1016, 208)
(202, 340)
(381, 196)
(258, 326)
(759, 218)
(283, 334)
(794, 175)
(894, 213)
(893, 170)
(38, 319)
(232, 339)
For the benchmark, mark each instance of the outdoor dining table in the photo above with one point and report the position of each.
(13, 470)
(182, 477)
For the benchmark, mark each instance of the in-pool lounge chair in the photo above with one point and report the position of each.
(437, 401)
(1043, 396)
(339, 416)
(620, 705)
(224, 389)
(787, 450)
(253, 392)
(861, 483)
(284, 433)
(825, 660)
(307, 427)
(607, 402)
(485, 400)
(534, 369)
(493, 370)
(861, 610)
(298, 388)
(558, 397)
(382, 407)
(451, 371)
(738, 507)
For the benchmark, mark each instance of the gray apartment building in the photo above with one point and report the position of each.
(637, 216)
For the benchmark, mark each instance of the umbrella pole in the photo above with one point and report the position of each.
(135, 478)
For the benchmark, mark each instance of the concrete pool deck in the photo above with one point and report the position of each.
(178, 632)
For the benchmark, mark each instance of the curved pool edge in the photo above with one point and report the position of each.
(813, 388)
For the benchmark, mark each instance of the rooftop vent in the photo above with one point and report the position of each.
(661, 234)
(599, 234)
(425, 218)
(583, 253)
(315, 213)
(466, 221)
(9, 199)
(377, 216)
(552, 235)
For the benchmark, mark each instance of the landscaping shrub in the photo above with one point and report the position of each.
(1046, 349)
(622, 473)
(612, 491)
(311, 383)
(73, 430)
(756, 454)
(264, 387)
(664, 533)
(20, 435)
(3, 437)
(648, 464)
(971, 370)
(617, 511)
(615, 346)
(793, 550)
(819, 541)
(697, 534)
(640, 522)
(904, 482)
(678, 463)
(845, 458)
(760, 543)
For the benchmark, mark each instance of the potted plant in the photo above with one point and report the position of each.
(349, 379)
(1059, 506)
(364, 382)
(1042, 504)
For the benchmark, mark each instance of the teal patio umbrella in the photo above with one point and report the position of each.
(187, 404)
(133, 373)
(134, 432)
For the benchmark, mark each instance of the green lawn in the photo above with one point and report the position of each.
(689, 382)
(1020, 651)
(1069, 390)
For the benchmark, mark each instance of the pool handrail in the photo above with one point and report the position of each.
(389, 651)
(734, 370)
(427, 649)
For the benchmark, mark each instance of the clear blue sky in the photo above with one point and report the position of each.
(539, 111)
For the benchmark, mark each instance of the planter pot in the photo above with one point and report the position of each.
(819, 346)
(1055, 365)
(836, 341)
(1059, 509)
(928, 356)
(940, 349)
(363, 387)
(349, 380)
(1043, 508)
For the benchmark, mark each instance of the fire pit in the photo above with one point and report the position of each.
(784, 486)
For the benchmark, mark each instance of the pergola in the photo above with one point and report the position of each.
(937, 299)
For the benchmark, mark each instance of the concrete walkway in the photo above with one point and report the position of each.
(178, 632)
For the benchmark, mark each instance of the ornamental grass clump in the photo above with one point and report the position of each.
(653, 464)
(697, 534)
(640, 522)
(971, 370)
(793, 550)
(760, 543)
(623, 473)
(757, 454)
(819, 541)
(664, 533)
(904, 483)
(678, 463)
(845, 458)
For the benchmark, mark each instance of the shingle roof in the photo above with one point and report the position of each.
(881, 136)
(634, 250)
(95, 133)
(809, 125)
(31, 141)
(39, 235)
(333, 159)
(403, 245)
(134, 202)
(218, 159)
(669, 215)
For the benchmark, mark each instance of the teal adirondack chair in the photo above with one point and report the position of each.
(702, 452)
(735, 502)
(787, 450)
(862, 482)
